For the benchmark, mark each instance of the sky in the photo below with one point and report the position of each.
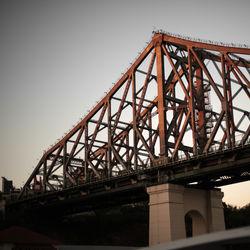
(58, 57)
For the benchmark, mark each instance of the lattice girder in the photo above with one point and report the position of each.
(180, 98)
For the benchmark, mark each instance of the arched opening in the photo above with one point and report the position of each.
(188, 225)
(194, 223)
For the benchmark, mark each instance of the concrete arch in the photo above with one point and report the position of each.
(195, 223)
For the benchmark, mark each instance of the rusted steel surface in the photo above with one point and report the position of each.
(180, 98)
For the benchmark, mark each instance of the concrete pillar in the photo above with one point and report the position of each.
(166, 213)
(216, 212)
(168, 205)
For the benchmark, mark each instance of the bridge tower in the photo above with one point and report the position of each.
(170, 204)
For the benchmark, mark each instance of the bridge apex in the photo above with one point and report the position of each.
(157, 39)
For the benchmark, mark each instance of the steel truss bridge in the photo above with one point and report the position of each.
(179, 114)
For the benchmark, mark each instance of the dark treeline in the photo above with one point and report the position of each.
(236, 217)
(118, 226)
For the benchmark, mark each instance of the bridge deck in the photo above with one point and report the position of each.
(204, 171)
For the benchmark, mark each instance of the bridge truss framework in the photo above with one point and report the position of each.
(180, 100)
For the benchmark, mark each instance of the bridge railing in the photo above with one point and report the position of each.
(215, 149)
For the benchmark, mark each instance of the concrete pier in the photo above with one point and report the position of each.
(170, 203)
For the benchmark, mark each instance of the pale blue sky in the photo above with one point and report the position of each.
(57, 58)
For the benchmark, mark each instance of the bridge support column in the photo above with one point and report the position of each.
(169, 204)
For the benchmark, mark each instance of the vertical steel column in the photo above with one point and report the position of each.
(44, 175)
(225, 101)
(202, 134)
(161, 97)
(134, 119)
(127, 152)
(176, 131)
(86, 153)
(191, 102)
(64, 163)
(150, 134)
(230, 103)
(109, 160)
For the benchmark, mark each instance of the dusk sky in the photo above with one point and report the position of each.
(58, 57)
